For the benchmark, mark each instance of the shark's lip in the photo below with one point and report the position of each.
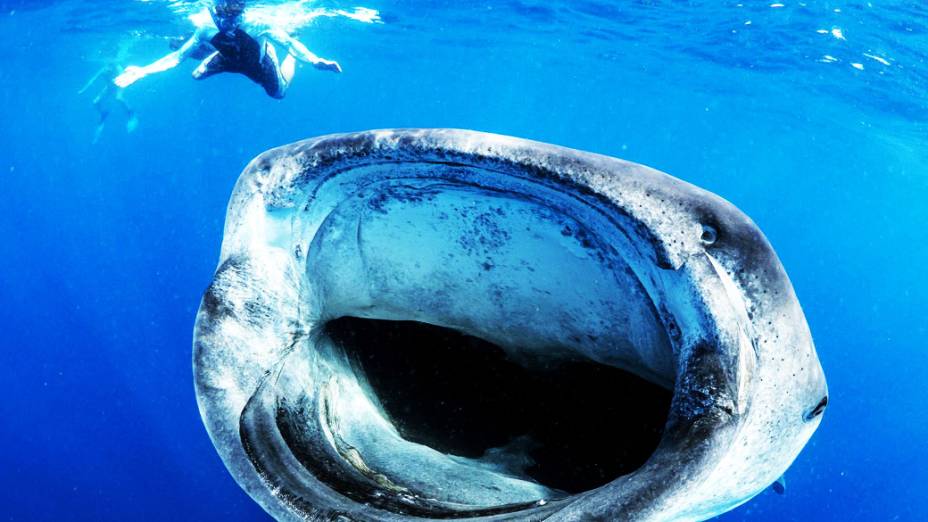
(254, 319)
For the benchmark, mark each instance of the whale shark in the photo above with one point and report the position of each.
(425, 324)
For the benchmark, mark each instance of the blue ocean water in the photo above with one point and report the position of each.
(812, 117)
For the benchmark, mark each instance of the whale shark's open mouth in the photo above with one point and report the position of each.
(433, 422)
(495, 364)
(441, 324)
(569, 425)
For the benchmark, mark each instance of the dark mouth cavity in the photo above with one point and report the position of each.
(570, 425)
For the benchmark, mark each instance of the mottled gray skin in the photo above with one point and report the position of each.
(748, 387)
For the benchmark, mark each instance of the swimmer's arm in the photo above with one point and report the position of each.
(93, 79)
(298, 50)
(134, 73)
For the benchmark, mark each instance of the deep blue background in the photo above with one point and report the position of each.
(107, 248)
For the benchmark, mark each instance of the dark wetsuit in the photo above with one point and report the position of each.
(240, 53)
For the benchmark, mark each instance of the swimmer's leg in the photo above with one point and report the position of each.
(103, 112)
(101, 104)
(213, 64)
(274, 77)
(287, 68)
(97, 133)
(132, 121)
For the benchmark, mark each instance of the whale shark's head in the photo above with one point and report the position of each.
(447, 324)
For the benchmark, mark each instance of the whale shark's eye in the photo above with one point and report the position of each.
(818, 409)
(709, 234)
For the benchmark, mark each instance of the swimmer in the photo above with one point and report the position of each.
(239, 47)
(108, 99)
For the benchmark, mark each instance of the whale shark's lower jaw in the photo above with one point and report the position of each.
(443, 324)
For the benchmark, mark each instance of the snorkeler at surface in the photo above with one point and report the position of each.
(239, 47)
(108, 99)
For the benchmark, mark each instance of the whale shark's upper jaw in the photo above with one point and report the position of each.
(449, 324)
